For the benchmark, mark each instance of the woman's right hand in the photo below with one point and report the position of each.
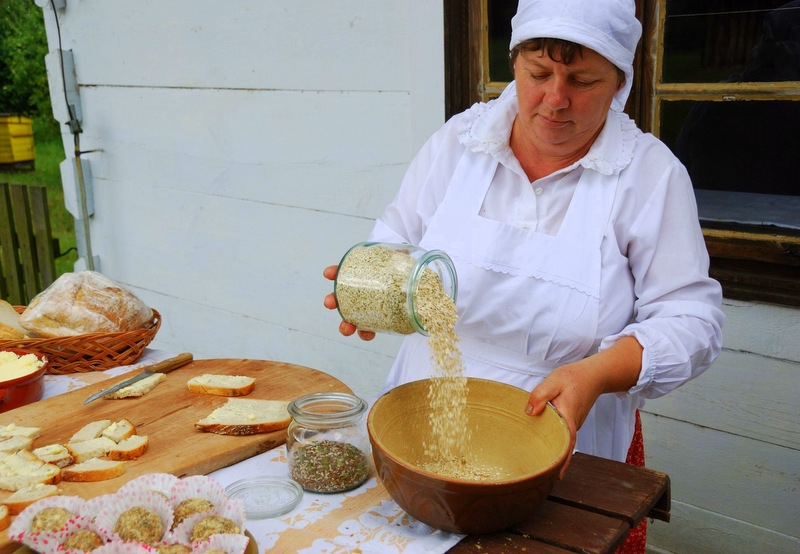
(345, 328)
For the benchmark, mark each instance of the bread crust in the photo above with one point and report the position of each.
(130, 448)
(94, 469)
(24, 497)
(241, 430)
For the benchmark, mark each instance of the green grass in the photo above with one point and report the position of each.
(49, 154)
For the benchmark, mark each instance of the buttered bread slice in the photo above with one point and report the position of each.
(221, 385)
(245, 416)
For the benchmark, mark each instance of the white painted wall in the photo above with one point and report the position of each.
(730, 442)
(243, 145)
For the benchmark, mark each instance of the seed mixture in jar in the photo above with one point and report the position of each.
(371, 288)
(328, 466)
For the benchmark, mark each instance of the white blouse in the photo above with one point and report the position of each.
(651, 277)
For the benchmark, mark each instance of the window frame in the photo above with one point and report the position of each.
(752, 263)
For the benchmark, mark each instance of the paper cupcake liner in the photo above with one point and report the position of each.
(158, 482)
(233, 510)
(198, 486)
(19, 530)
(119, 503)
(95, 505)
(229, 543)
(79, 523)
(119, 547)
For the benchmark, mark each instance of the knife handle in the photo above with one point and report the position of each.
(165, 366)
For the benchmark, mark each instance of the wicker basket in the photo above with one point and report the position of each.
(91, 351)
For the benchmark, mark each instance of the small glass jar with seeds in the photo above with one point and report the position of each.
(383, 287)
(327, 444)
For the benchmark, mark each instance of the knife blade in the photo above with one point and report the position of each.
(164, 366)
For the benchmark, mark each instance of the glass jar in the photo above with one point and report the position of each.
(327, 443)
(378, 285)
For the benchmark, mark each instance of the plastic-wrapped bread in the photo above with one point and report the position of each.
(84, 302)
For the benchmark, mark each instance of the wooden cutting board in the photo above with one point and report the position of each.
(167, 415)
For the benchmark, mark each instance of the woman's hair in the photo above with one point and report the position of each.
(557, 49)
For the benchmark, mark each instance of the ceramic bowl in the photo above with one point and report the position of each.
(24, 389)
(529, 451)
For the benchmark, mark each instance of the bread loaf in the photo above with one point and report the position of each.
(221, 385)
(9, 322)
(84, 302)
(242, 416)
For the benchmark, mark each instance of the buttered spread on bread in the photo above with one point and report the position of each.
(241, 416)
(221, 385)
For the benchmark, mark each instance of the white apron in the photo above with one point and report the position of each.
(527, 302)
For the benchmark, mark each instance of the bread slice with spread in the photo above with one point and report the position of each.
(243, 416)
(221, 385)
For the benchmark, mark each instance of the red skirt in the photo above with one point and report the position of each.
(636, 540)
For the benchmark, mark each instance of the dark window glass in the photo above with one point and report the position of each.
(708, 41)
(738, 146)
(500, 14)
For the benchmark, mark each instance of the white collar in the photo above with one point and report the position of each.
(486, 127)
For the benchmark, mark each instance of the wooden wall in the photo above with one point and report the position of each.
(238, 148)
(730, 441)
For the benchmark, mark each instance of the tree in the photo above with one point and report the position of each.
(23, 75)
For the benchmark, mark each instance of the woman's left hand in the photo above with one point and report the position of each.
(574, 388)
(572, 391)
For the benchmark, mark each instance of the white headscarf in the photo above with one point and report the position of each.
(609, 27)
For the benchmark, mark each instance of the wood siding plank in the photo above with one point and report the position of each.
(733, 476)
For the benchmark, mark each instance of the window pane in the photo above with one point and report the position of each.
(731, 40)
(745, 146)
(500, 14)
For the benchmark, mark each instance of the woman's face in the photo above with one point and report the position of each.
(562, 108)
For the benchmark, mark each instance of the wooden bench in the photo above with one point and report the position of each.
(27, 247)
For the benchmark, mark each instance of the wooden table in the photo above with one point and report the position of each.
(591, 510)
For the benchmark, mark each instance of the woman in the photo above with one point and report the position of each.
(582, 269)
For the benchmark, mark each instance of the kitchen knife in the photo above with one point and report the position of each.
(164, 366)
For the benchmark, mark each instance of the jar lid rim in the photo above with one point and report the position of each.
(348, 406)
